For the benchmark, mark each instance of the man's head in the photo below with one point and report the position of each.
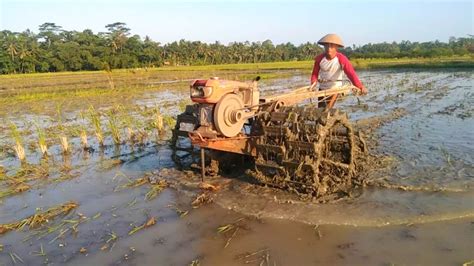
(330, 49)
(331, 43)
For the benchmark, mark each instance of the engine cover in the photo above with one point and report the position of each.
(206, 121)
(205, 116)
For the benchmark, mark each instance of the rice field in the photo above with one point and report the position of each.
(86, 175)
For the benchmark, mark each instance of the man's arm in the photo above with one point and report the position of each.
(315, 74)
(350, 72)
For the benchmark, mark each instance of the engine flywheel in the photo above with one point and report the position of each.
(228, 115)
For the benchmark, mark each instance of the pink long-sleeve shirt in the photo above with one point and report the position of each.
(345, 64)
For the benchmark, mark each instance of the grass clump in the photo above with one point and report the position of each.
(83, 131)
(114, 126)
(64, 143)
(42, 145)
(38, 219)
(150, 222)
(94, 117)
(19, 148)
(156, 185)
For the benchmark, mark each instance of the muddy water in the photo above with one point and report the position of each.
(422, 121)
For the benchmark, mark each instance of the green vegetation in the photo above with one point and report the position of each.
(40, 218)
(114, 126)
(41, 139)
(54, 49)
(362, 63)
(19, 149)
(83, 130)
(94, 117)
(40, 92)
(439, 62)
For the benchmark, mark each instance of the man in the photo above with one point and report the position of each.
(331, 65)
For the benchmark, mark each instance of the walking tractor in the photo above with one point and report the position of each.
(305, 149)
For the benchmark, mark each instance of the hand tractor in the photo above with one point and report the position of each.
(304, 149)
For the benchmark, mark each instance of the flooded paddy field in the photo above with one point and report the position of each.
(108, 192)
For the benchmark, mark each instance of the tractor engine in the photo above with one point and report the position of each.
(223, 106)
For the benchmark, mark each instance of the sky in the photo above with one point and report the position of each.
(357, 22)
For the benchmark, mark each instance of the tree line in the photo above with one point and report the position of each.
(54, 49)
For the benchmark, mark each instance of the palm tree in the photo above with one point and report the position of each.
(50, 32)
(11, 49)
(117, 35)
(23, 54)
(11, 45)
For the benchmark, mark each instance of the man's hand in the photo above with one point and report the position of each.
(363, 90)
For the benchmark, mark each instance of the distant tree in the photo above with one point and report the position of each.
(49, 32)
(10, 44)
(55, 49)
(117, 35)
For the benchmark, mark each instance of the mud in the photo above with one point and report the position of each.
(309, 151)
(417, 210)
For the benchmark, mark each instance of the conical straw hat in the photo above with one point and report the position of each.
(331, 38)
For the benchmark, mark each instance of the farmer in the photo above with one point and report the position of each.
(331, 65)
